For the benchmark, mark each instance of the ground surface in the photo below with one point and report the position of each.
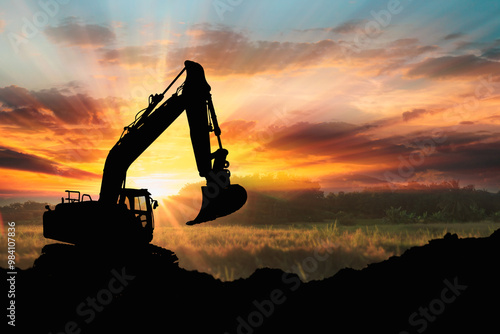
(446, 286)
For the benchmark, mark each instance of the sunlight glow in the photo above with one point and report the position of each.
(291, 96)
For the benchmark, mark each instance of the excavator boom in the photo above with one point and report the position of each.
(139, 135)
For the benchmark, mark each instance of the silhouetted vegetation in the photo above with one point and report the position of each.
(280, 198)
(413, 203)
(27, 212)
(442, 202)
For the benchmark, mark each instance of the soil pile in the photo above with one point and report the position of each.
(449, 285)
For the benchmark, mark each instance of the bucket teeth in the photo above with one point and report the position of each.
(220, 203)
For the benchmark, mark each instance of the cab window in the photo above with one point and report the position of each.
(140, 203)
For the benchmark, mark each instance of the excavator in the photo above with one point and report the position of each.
(125, 216)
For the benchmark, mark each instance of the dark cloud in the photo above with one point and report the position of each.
(404, 42)
(72, 109)
(463, 45)
(311, 138)
(456, 140)
(50, 107)
(454, 66)
(223, 51)
(397, 54)
(416, 113)
(27, 118)
(462, 155)
(17, 97)
(453, 36)
(366, 151)
(19, 108)
(71, 32)
(472, 158)
(348, 27)
(409, 51)
(492, 54)
(11, 159)
(337, 141)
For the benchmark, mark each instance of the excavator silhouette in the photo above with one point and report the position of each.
(125, 216)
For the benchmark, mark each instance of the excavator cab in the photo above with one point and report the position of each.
(140, 204)
(87, 222)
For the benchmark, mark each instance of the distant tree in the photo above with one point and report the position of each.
(435, 201)
(29, 211)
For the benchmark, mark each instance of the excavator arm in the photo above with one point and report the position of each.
(117, 203)
(135, 139)
(138, 136)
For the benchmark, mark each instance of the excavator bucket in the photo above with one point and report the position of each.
(219, 202)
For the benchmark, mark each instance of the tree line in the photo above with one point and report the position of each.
(412, 203)
(27, 212)
(278, 199)
(436, 202)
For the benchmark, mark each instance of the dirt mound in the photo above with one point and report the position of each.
(448, 285)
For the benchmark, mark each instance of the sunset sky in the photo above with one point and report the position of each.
(350, 94)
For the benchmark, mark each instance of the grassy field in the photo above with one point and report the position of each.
(313, 251)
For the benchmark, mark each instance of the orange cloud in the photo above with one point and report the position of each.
(66, 133)
(337, 153)
(238, 130)
(24, 184)
(10, 159)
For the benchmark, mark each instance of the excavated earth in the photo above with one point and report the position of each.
(450, 285)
